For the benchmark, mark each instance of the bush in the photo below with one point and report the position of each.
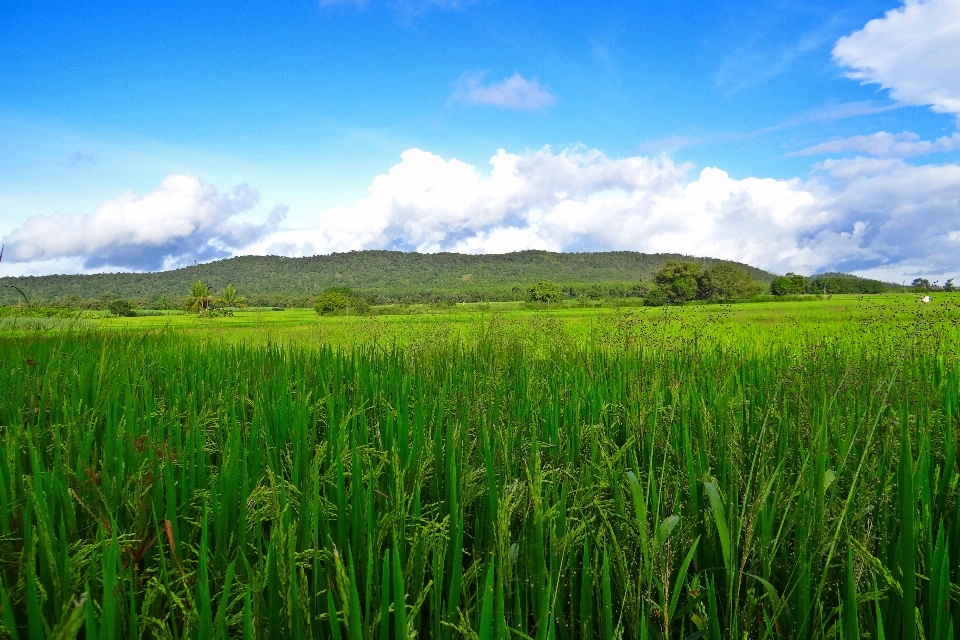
(545, 291)
(340, 300)
(656, 296)
(216, 312)
(122, 308)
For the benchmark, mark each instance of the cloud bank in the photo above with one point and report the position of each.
(875, 216)
(516, 92)
(868, 215)
(914, 51)
(180, 221)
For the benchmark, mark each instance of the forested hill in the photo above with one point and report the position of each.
(389, 274)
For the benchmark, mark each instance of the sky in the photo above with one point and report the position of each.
(797, 136)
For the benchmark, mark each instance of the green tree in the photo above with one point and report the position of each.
(679, 281)
(231, 299)
(200, 297)
(921, 285)
(790, 284)
(726, 282)
(949, 286)
(545, 291)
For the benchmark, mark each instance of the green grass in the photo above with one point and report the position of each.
(756, 471)
(304, 326)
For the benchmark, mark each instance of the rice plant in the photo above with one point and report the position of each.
(649, 480)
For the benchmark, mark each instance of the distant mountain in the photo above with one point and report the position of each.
(387, 275)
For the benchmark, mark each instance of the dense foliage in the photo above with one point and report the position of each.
(383, 276)
(789, 285)
(545, 292)
(122, 308)
(680, 282)
(656, 480)
(821, 284)
(340, 300)
(793, 284)
(35, 312)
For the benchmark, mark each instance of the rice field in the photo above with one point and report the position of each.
(749, 472)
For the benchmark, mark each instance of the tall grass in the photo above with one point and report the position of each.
(652, 480)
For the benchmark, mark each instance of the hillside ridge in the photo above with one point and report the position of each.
(390, 273)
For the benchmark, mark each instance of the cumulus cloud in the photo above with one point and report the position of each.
(857, 214)
(877, 216)
(913, 51)
(899, 145)
(516, 92)
(908, 214)
(181, 220)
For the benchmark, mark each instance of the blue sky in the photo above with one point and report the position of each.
(792, 135)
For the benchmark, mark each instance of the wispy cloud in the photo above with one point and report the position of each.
(899, 145)
(360, 4)
(829, 113)
(759, 58)
(80, 159)
(406, 9)
(834, 112)
(516, 92)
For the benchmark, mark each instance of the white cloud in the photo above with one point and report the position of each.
(853, 214)
(515, 92)
(914, 51)
(911, 213)
(899, 145)
(181, 220)
(874, 216)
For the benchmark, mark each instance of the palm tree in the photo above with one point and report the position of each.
(200, 297)
(231, 299)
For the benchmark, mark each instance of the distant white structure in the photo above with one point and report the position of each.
(925, 299)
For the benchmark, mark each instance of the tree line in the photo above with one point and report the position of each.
(673, 282)
(794, 284)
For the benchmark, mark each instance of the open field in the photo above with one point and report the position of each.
(410, 322)
(770, 470)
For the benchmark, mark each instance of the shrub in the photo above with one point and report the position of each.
(122, 308)
(656, 296)
(216, 312)
(545, 291)
(341, 300)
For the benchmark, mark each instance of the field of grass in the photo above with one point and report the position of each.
(303, 326)
(774, 470)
